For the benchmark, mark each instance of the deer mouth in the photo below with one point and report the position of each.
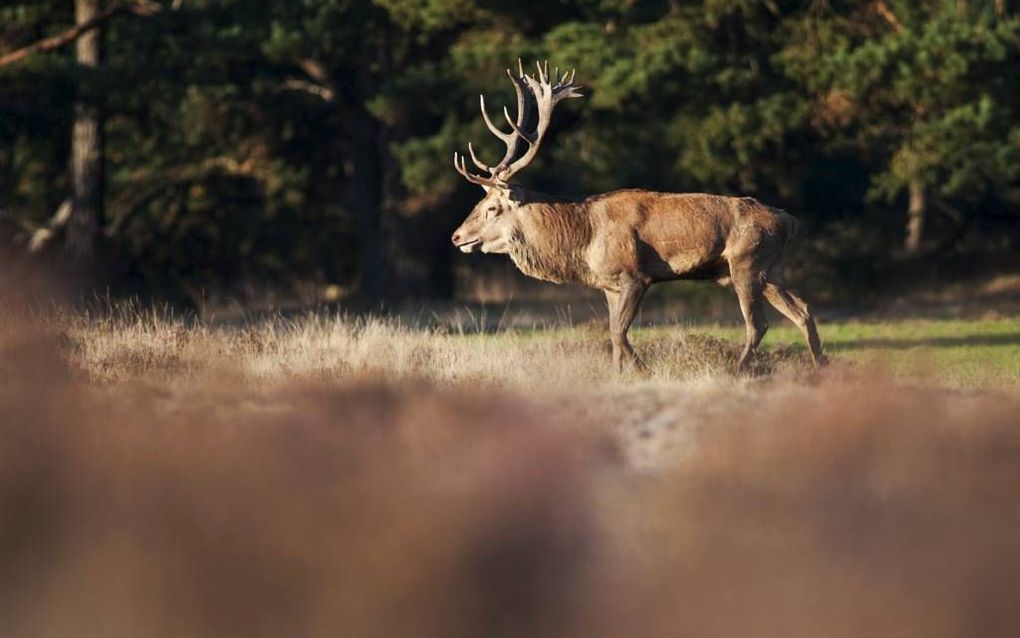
(469, 246)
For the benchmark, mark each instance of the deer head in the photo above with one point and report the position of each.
(490, 225)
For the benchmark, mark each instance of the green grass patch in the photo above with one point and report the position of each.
(958, 352)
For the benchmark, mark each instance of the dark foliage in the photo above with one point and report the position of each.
(256, 145)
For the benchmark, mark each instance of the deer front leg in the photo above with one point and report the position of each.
(623, 306)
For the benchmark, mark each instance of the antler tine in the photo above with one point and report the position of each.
(509, 120)
(474, 158)
(523, 134)
(506, 137)
(460, 164)
(517, 82)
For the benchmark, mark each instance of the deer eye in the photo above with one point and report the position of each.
(491, 211)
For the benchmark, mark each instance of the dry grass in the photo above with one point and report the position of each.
(126, 344)
(326, 476)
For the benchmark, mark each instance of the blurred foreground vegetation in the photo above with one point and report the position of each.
(328, 477)
(295, 145)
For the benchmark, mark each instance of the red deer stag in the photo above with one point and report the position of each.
(625, 241)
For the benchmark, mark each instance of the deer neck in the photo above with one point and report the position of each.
(551, 239)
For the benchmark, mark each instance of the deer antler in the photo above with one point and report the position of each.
(545, 96)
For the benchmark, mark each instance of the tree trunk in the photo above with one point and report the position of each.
(86, 150)
(368, 201)
(916, 212)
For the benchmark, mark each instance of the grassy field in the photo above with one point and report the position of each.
(566, 370)
(157, 347)
(961, 353)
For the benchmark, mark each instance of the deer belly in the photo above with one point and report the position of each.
(682, 244)
(683, 261)
(715, 269)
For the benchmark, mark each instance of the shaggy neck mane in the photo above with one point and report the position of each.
(551, 239)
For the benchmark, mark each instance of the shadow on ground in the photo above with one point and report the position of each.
(899, 343)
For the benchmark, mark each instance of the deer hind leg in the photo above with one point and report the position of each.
(623, 306)
(794, 309)
(749, 292)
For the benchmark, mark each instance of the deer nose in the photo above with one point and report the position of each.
(456, 239)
